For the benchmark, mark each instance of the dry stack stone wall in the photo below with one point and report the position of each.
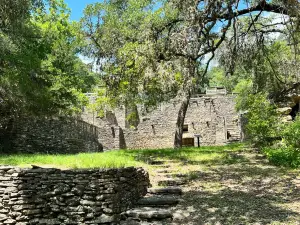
(53, 196)
(56, 136)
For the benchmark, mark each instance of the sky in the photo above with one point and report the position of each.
(77, 7)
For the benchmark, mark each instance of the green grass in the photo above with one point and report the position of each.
(84, 160)
(121, 158)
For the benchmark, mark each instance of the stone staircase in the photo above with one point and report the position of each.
(158, 206)
(233, 131)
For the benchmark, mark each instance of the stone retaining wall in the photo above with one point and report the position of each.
(53, 196)
(64, 135)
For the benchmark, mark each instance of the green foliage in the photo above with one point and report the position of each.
(288, 154)
(263, 123)
(101, 104)
(283, 156)
(40, 72)
(244, 89)
(124, 38)
(291, 135)
(217, 78)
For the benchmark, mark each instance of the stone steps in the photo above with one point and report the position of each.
(156, 201)
(175, 175)
(161, 162)
(165, 191)
(171, 182)
(161, 166)
(163, 171)
(156, 208)
(138, 222)
(149, 213)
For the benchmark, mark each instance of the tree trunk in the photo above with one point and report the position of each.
(180, 121)
(187, 89)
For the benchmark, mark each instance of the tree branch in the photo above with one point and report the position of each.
(262, 6)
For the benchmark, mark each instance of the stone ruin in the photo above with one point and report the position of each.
(211, 117)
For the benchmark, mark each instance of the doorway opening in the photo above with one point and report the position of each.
(295, 111)
(188, 142)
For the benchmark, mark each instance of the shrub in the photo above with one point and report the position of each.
(286, 156)
(289, 154)
(291, 134)
(263, 121)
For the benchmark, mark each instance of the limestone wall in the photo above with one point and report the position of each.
(212, 117)
(108, 131)
(52, 196)
(55, 135)
(208, 116)
(59, 136)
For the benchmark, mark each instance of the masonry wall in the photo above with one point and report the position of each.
(207, 116)
(210, 116)
(52, 196)
(58, 136)
(52, 135)
(109, 133)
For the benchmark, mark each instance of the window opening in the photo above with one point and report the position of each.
(185, 128)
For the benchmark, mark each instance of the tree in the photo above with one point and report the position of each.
(62, 74)
(117, 33)
(185, 33)
(40, 71)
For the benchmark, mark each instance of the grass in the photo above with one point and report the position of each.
(121, 158)
(237, 187)
(224, 185)
(84, 160)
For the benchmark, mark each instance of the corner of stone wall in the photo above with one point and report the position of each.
(53, 196)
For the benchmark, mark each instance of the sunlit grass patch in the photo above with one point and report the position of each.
(121, 158)
(84, 160)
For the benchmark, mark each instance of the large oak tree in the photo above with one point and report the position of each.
(132, 39)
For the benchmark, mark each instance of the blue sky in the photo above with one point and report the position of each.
(77, 7)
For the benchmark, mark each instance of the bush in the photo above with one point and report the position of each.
(291, 134)
(263, 121)
(286, 156)
(289, 153)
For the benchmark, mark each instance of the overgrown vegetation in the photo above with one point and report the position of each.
(263, 71)
(262, 119)
(151, 51)
(287, 152)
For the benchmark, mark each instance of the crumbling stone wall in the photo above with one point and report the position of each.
(212, 117)
(110, 134)
(52, 196)
(209, 116)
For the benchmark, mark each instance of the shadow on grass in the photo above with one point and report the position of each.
(235, 207)
(238, 174)
(224, 159)
(242, 194)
